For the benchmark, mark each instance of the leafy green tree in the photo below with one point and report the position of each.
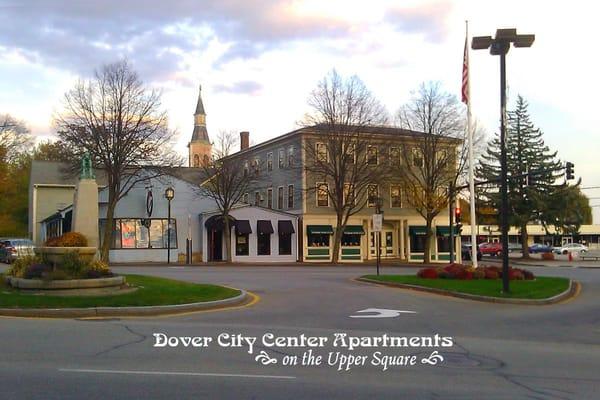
(529, 198)
(568, 209)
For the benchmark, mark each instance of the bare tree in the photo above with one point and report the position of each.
(228, 181)
(14, 138)
(341, 154)
(435, 160)
(119, 122)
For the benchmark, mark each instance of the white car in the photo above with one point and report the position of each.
(570, 248)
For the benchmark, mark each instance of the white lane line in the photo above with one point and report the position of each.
(167, 373)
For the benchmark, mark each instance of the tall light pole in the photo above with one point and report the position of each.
(499, 46)
(169, 195)
(379, 212)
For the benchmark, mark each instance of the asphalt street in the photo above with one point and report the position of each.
(498, 351)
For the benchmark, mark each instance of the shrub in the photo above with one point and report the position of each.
(19, 267)
(479, 273)
(69, 239)
(491, 274)
(428, 273)
(72, 264)
(515, 275)
(97, 269)
(527, 275)
(37, 271)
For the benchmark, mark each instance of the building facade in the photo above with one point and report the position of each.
(281, 182)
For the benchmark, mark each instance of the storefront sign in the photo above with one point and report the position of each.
(377, 222)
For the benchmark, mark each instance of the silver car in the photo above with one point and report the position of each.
(570, 248)
(13, 248)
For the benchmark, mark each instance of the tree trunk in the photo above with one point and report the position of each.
(524, 239)
(337, 240)
(108, 229)
(427, 254)
(227, 234)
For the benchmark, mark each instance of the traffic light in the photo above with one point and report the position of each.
(569, 169)
(457, 215)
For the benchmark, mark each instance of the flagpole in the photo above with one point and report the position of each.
(470, 136)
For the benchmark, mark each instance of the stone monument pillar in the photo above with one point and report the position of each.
(85, 203)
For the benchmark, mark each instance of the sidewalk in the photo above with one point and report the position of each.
(561, 261)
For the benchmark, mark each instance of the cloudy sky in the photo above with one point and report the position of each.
(257, 60)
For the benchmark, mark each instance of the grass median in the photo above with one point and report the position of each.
(540, 288)
(152, 291)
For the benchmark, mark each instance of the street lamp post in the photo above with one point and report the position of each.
(169, 195)
(499, 46)
(378, 205)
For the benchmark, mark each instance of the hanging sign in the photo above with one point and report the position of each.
(149, 203)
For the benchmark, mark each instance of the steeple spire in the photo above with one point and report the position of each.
(200, 148)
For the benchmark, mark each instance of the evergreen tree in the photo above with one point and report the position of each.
(528, 198)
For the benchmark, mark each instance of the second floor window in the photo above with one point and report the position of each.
(269, 198)
(322, 195)
(257, 198)
(256, 166)
(372, 155)
(246, 168)
(372, 195)
(349, 194)
(245, 198)
(395, 196)
(269, 162)
(290, 196)
(281, 158)
(280, 197)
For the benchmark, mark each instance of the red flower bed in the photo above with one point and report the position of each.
(466, 272)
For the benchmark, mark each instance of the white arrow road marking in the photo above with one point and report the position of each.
(381, 313)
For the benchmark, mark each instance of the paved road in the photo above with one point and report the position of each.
(499, 351)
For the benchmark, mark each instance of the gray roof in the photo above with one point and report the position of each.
(58, 173)
(200, 133)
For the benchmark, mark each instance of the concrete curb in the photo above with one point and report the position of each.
(125, 311)
(572, 291)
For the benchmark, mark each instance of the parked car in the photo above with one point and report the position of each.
(540, 248)
(570, 248)
(513, 247)
(491, 249)
(11, 249)
(466, 252)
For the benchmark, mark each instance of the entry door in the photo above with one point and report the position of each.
(386, 245)
(567, 240)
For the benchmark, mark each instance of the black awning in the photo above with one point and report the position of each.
(285, 227)
(242, 227)
(264, 226)
(217, 222)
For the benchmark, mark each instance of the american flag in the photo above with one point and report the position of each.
(465, 73)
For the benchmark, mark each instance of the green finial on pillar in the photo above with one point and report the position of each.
(87, 172)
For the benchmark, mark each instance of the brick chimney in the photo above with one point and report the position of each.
(244, 140)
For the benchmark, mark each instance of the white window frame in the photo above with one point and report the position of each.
(280, 199)
(319, 184)
(291, 153)
(270, 198)
(399, 195)
(394, 161)
(350, 190)
(281, 158)
(370, 146)
(319, 158)
(417, 152)
(369, 204)
(257, 198)
(245, 198)
(270, 161)
(290, 190)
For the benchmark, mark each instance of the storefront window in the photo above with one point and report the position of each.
(443, 243)
(263, 244)
(417, 243)
(350, 240)
(132, 234)
(318, 240)
(241, 245)
(285, 244)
